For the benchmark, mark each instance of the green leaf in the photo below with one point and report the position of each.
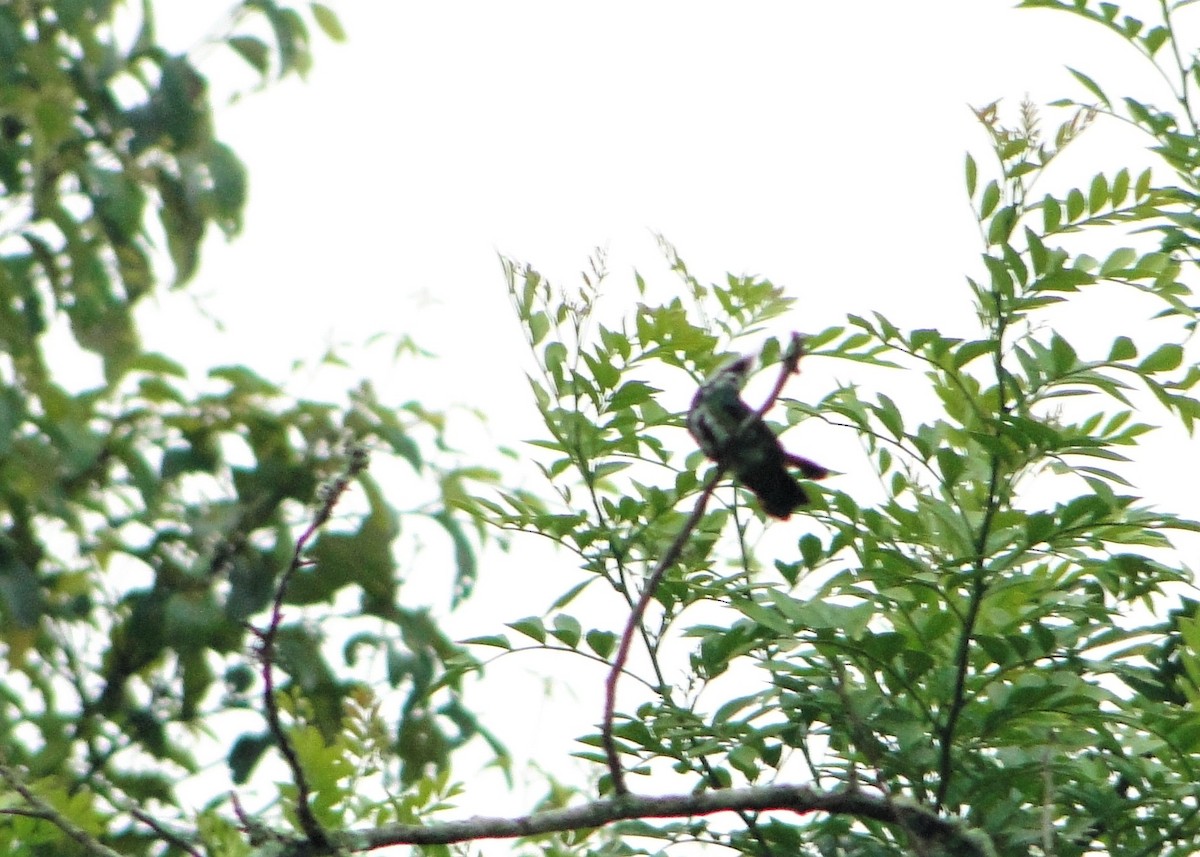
(245, 753)
(254, 51)
(1155, 39)
(1091, 86)
(530, 626)
(1122, 349)
(1097, 193)
(991, 198)
(1051, 214)
(972, 175)
(968, 351)
(183, 222)
(1075, 204)
(156, 364)
(567, 629)
(539, 326)
(229, 187)
(951, 464)
(465, 567)
(1063, 280)
(1002, 225)
(1141, 188)
(1120, 187)
(244, 380)
(603, 643)
(744, 758)
(1119, 260)
(632, 393)
(889, 414)
(1064, 356)
(1163, 359)
(810, 550)
(328, 21)
(495, 640)
(765, 616)
(291, 36)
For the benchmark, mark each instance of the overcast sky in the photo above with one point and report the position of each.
(819, 144)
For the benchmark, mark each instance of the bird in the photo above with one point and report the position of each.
(733, 435)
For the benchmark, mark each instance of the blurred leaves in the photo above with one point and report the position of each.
(145, 520)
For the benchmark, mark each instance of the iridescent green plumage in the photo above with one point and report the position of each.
(732, 434)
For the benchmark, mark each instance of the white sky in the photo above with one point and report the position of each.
(819, 144)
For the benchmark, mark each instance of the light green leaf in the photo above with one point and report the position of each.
(328, 21)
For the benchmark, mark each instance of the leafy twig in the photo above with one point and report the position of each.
(635, 619)
(42, 809)
(330, 495)
(790, 366)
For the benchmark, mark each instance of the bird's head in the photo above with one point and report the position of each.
(733, 373)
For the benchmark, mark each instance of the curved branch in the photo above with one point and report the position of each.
(918, 821)
(635, 621)
(331, 493)
(790, 366)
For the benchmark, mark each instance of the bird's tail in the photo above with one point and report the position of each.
(777, 492)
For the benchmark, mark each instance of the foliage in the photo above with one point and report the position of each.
(966, 655)
(145, 516)
(984, 639)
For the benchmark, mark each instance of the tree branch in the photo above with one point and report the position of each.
(332, 492)
(790, 366)
(917, 820)
(42, 809)
(635, 620)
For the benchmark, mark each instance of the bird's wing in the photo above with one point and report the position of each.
(730, 409)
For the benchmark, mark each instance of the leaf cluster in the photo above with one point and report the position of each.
(979, 634)
(146, 515)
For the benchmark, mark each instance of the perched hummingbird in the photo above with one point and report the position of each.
(732, 434)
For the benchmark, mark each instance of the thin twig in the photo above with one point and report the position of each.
(635, 619)
(312, 828)
(791, 365)
(178, 838)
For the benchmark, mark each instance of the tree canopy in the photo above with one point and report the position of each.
(991, 651)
